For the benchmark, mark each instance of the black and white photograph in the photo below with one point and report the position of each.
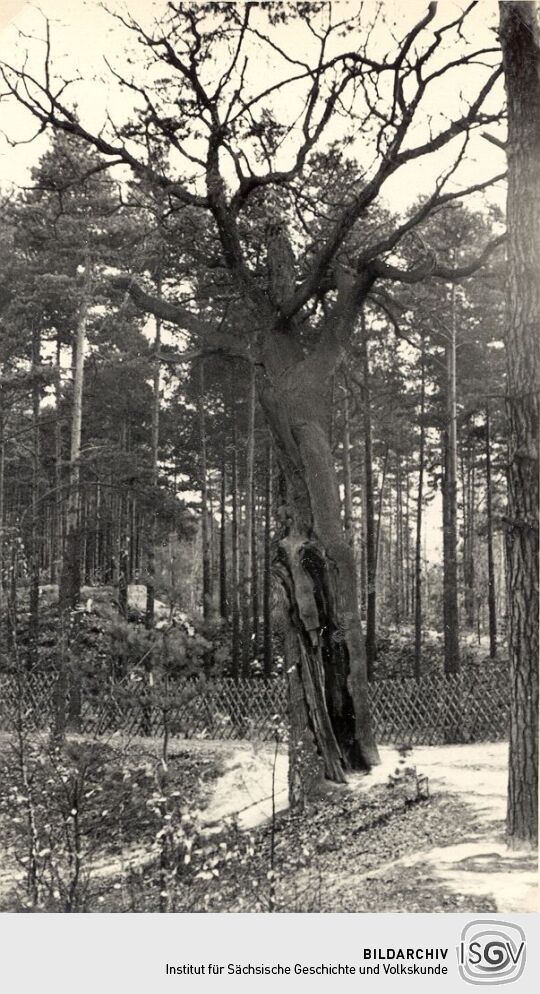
(269, 330)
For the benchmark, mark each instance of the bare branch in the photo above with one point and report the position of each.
(160, 307)
(391, 161)
(46, 106)
(430, 267)
(213, 340)
(429, 206)
(495, 141)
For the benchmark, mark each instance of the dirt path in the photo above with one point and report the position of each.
(449, 856)
(480, 863)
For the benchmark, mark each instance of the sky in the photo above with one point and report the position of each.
(83, 35)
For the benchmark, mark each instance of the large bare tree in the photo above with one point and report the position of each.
(239, 151)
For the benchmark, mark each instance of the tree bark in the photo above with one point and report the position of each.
(152, 538)
(407, 594)
(2, 507)
(450, 585)
(492, 598)
(247, 563)
(123, 557)
(235, 607)
(469, 506)
(12, 605)
(315, 564)
(371, 560)
(419, 514)
(58, 505)
(520, 40)
(207, 594)
(70, 578)
(347, 480)
(398, 592)
(223, 592)
(267, 575)
(255, 609)
(35, 511)
(381, 502)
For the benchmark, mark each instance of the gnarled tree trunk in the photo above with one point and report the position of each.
(315, 562)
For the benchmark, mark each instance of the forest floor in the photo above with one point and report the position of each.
(386, 842)
(366, 851)
(476, 864)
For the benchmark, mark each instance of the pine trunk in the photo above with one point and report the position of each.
(469, 504)
(399, 546)
(347, 481)
(520, 40)
(123, 557)
(255, 609)
(223, 592)
(419, 514)
(70, 578)
(381, 503)
(35, 511)
(207, 598)
(407, 596)
(267, 575)
(58, 526)
(450, 577)
(235, 607)
(492, 598)
(2, 507)
(247, 564)
(152, 538)
(371, 560)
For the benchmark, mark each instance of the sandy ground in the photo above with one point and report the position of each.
(254, 780)
(477, 774)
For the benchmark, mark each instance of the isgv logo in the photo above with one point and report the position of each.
(491, 952)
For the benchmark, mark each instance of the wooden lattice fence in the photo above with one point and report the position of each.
(470, 707)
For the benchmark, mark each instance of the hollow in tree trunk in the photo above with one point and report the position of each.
(315, 564)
